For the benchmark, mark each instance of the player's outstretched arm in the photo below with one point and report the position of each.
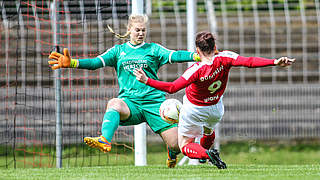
(254, 62)
(170, 87)
(62, 60)
(284, 61)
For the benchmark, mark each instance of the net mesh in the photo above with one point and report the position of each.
(263, 103)
(28, 121)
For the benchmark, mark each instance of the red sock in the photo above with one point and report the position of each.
(194, 151)
(207, 140)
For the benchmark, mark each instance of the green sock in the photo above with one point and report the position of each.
(110, 123)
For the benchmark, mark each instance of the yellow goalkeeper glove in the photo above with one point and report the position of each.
(62, 60)
(196, 57)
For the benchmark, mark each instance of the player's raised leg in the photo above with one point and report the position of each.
(196, 151)
(170, 137)
(208, 137)
(207, 140)
(116, 109)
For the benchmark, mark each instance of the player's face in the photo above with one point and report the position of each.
(138, 32)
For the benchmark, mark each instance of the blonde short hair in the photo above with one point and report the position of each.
(133, 18)
(137, 18)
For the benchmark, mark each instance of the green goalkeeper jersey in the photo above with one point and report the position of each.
(126, 57)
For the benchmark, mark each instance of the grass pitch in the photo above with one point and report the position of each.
(155, 172)
(245, 161)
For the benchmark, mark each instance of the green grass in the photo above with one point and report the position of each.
(155, 172)
(245, 160)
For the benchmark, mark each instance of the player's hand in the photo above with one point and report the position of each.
(62, 61)
(284, 61)
(140, 75)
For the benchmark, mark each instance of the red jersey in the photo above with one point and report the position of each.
(206, 82)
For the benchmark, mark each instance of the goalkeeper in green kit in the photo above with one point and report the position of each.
(136, 102)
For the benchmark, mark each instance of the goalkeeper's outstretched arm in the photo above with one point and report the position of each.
(65, 61)
(62, 60)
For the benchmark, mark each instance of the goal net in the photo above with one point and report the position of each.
(264, 103)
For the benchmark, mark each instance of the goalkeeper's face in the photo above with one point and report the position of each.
(138, 32)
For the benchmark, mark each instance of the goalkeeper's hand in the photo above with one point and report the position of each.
(196, 57)
(284, 61)
(62, 60)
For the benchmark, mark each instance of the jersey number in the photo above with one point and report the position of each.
(214, 86)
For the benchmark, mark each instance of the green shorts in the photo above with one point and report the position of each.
(146, 111)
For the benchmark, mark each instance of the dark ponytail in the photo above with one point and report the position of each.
(205, 41)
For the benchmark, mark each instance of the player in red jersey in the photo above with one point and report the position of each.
(205, 84)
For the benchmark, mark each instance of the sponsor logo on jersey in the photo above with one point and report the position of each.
(131, 65)
(219, 69)
(123, 53)
(212, 98)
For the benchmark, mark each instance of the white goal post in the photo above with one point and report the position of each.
(140, 132)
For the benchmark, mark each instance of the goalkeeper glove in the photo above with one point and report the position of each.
(196, 57)
(63, 60)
